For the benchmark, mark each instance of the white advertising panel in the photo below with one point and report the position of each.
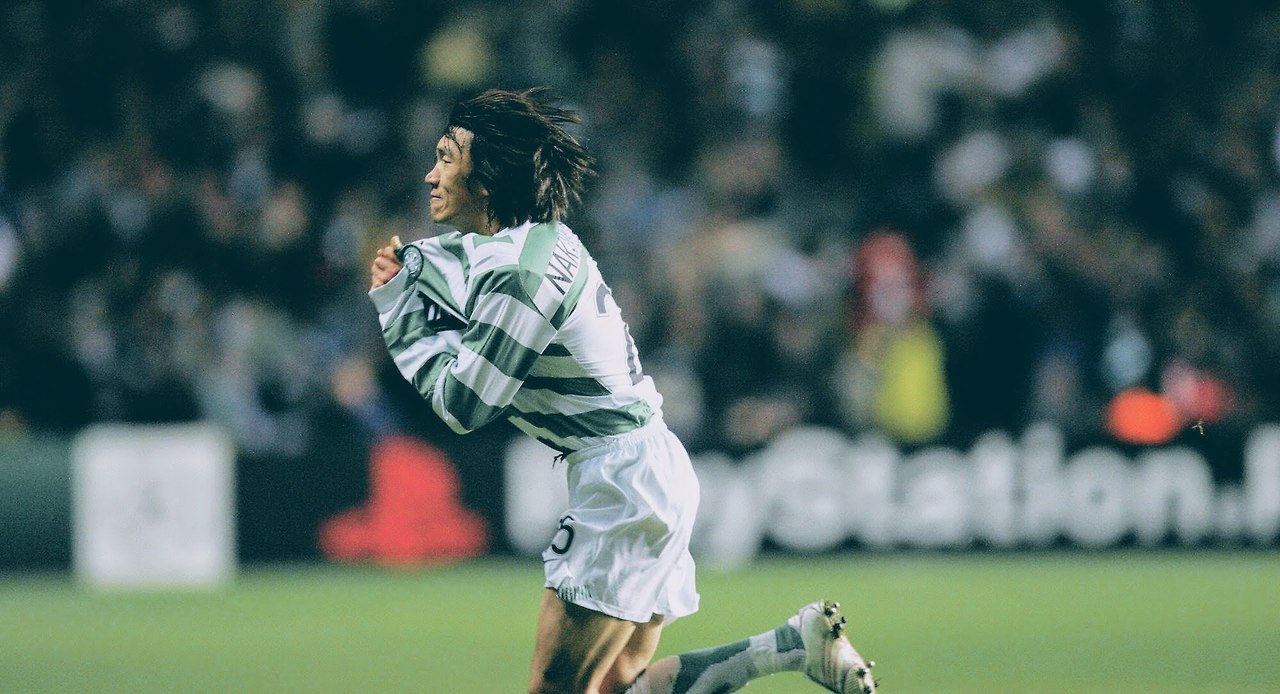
(154, 506)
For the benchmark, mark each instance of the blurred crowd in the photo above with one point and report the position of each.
(928, 218)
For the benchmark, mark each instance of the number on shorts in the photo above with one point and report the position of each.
(565, 531)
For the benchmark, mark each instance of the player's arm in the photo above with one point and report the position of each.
(505, 334)
(420, 351)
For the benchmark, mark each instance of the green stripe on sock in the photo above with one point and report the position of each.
(788, 638)
(693, 665)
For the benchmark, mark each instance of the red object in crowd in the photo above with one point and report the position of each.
(1137, 415)
(414, 515)
(1199, 394)
(888, 285)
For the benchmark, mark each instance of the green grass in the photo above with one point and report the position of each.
(1112, 622)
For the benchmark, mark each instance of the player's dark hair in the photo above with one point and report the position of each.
(533, 169)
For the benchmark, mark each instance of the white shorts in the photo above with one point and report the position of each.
(623, 544)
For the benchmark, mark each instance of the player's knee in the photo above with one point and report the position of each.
(561, 680)
(540, 686)
(624, 672)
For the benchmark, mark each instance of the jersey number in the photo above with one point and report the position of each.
(564, 536)
(633, 354)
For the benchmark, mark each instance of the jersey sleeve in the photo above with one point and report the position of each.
(505, 334)
(422, 338)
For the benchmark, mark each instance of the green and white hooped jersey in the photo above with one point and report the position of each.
(518, 324)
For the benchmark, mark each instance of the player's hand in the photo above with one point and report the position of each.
(386, 265)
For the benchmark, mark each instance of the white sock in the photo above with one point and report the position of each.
(724, 668)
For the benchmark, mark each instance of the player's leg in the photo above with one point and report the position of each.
(622, 553)
(812, 641)
(635, 657)
(576, 647)
(725, 668)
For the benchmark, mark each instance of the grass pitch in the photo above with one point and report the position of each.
(1111, 622)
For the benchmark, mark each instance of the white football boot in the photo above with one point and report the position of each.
(829, 658)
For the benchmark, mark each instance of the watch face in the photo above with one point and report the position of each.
(412, 257)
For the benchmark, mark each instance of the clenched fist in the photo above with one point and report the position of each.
(385, 265)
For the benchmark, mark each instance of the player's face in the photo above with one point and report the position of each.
(454, 201)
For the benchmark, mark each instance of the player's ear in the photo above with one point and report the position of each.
(476, 187)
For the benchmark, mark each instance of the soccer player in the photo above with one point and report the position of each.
(509, 317)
